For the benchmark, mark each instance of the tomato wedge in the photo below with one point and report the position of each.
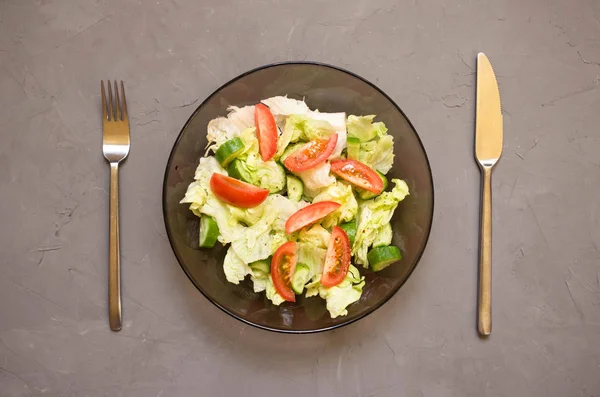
(283, 266)
(266, 131)
(358, 174)
(337, 261)
(309, 215)
(235, 192)
(310, 155)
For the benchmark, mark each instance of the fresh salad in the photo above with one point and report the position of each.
(301, 197)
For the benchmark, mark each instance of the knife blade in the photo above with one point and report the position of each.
(488, 149)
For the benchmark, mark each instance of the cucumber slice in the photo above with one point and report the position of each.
(237, 170)
(300, 278)
(295, 188)
(350, 229)
(353, 147)
(381, 257)
(366, 195)
(229, 150)
(262, 267)
(209, 231)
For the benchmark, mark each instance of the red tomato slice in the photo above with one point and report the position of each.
(309, 215)
(266, 131)
(283, 266)
(358, 174)
(337, 261)
(235, 192)
(310, 155)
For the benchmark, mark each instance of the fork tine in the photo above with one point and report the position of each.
(118, 107)
(123, 103)
(104, 114)
(111, 109)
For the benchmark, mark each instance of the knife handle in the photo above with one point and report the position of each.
(484, 301)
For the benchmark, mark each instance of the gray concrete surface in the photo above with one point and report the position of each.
(54, 336)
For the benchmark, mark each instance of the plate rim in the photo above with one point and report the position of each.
(164, 198)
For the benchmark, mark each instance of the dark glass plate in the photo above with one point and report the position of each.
(328, 89)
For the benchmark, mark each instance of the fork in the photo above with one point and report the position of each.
(115, 145)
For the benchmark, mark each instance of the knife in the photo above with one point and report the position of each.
(488, 148)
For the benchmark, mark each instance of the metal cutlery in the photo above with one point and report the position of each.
(488, 148)
(115, 145)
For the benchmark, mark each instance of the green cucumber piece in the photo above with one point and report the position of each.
(209, 231)
(229, 150)
(262, 267)
(350, 229)
(300, 278)
(366, 195)
(353, 147)
(237, 170)
(381, 257)
(295, 188)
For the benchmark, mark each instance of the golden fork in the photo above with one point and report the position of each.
(115, 145)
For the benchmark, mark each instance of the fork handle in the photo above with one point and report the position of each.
(484, 301)
(114, 254)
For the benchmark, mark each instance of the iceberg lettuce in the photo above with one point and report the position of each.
(378, 153)
(316, 179)
(338, 298)
(338, 192)
(372, 216)
(235, 269)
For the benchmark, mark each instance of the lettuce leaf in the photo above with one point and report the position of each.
(195, 195)
(272, 294)
(198, 192)
(284, 106)
(338, 298)
(338, 192)
(315, 235)
(378, 153)
(363, 128)
(372, 216)
(316, 179)
(235, 269)
(242, 118)
(265, 174)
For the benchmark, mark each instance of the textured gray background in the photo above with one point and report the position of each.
(54, 336)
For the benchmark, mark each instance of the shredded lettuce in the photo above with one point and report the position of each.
(195, 195)
(315, 235)
(198, 192)
(242, 118)
(338, 298)
(338, 192)
(363, 128)
(378, 153)
(316, 179)
(272, 294)
(383, 235)
(372, 216)
(248, 137)
(219, 131)
(259, 241)
(265, 174)
(235, 269)
(284, 106)
(312, 256)
(306, 128)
